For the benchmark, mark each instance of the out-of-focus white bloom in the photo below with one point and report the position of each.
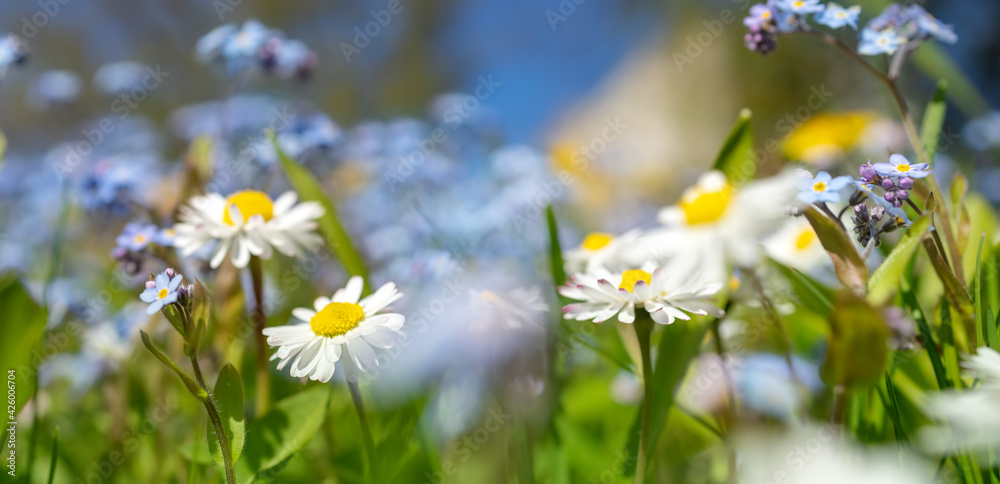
(819, 455)
(344, 325)
(796, 245)
(599, 251)
(516, 309)
(667, 294)
(626, 389)
(246, 223)
(970, 418)
(716, 223)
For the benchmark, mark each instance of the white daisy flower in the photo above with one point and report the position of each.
(716, 223)
(666, 294)
(599, 251)
(247, 223)
(342, 327)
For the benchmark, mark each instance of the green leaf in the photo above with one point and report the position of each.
(679, 344)
(857, 351)
(736, 159)
(228, 393)
(555, 249)
(959, 187)
(991, 329)
(847, 263)
(3, 146)
(329, 224)
(281, 433)
(885, 279)
(934, 120)
(24, 325)
(189, 382)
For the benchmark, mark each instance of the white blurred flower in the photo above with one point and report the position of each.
(969, 417)
(796, 245)
(716, 223)
(516, 309)
(246, 223)
(814, 454)
(344, 324)
(599, 251)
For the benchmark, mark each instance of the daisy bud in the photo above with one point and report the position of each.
(887, 183)
(906, 183)
(868, 171)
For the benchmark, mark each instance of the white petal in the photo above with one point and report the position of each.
(303, 314)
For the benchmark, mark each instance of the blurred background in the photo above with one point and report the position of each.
(643, 91)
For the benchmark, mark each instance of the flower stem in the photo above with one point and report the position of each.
(366, 432)
(643, 330)
(213, 414)
(263, 377)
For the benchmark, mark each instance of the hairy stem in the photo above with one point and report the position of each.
(366, 432)
(263, 378)
(220, 433)
(643, 331)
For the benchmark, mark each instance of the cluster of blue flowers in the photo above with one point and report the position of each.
(255, 48)
(896, 26)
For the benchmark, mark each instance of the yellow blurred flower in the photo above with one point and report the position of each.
(825, 137)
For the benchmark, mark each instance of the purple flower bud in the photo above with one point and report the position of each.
(887, 183)
(170, 272)
(868, 171)
(890, 195)
(877, 213)
(906, 183)
(902, 195)
(150, 284)
(859, 208)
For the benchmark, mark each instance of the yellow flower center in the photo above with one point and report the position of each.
(841, 14)
(766, 15)
(631, 277)
(163, 293)
(250, 203)
(819, 186)
(903, 168)
(806, 237)
(140, 239)
(702, 206)
(597, 241)
(734, 283)
(489, 296)
(336, 319)
(799, 4)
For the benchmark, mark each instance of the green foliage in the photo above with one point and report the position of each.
(858, 350)
(24, 325)
(282, 432)
(228, 394)
(309, 189)
(189, 382)
(555, 250)
(736, 159)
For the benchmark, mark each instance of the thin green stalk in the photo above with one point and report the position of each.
(213, 415)
(643, 330)
(263, 376)
(55, 454)
(522, 453)
(366, 432)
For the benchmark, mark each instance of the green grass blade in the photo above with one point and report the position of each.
(555, 249)
(736, 158)
(309, 189)
(933, 121)
(55, 454)
(885, 280)
(910, 300)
